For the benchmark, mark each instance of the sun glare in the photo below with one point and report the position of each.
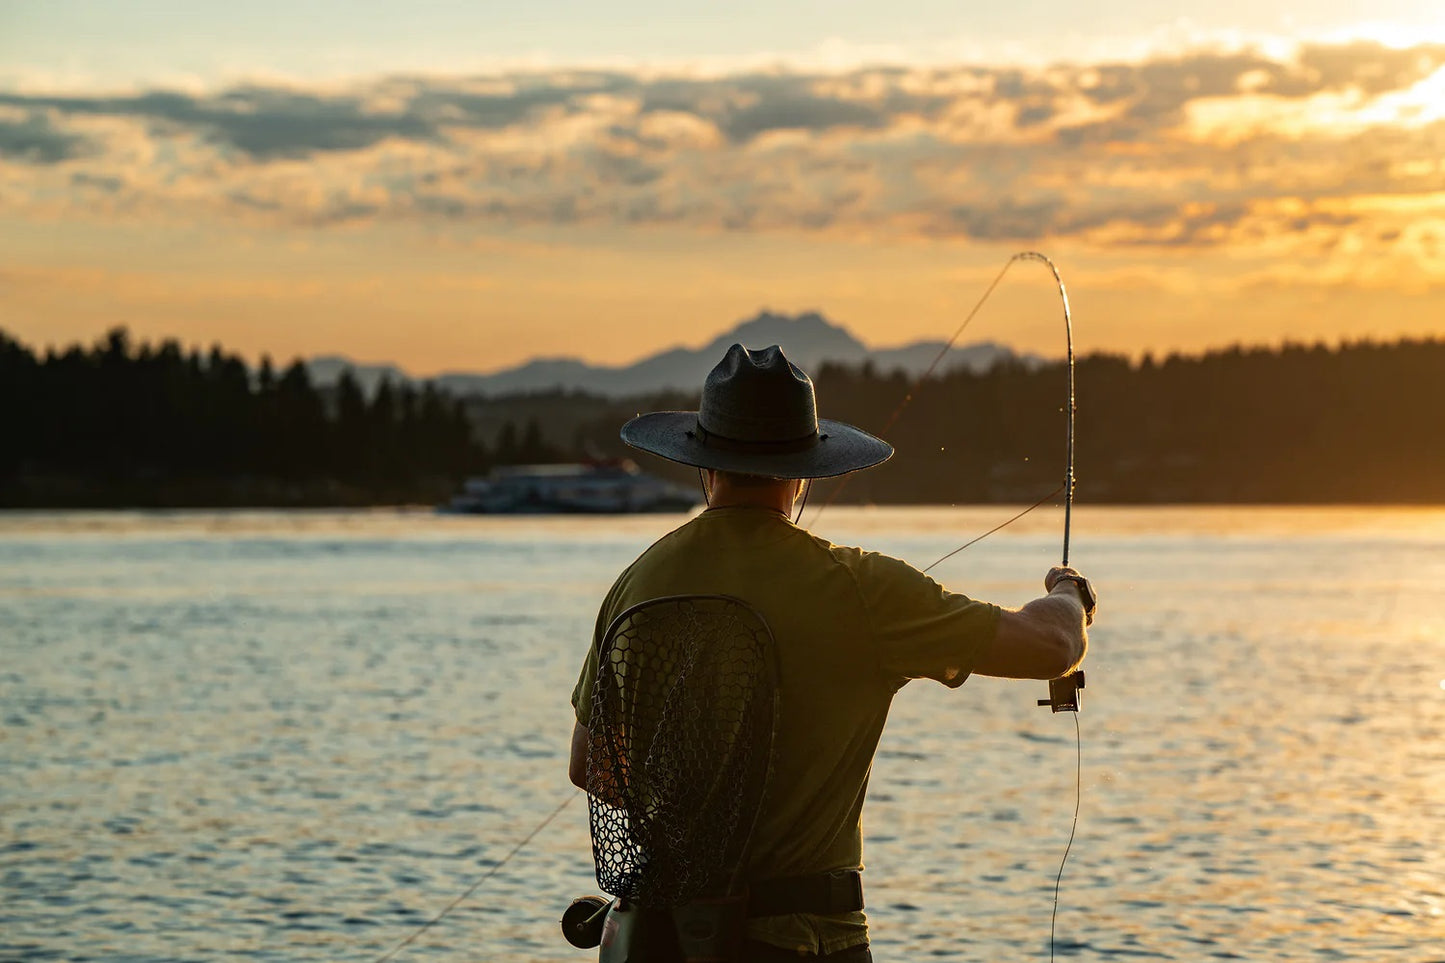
(1422, 104)
(1232, 119)
(1396, 36)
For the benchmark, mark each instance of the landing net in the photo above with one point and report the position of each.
(680, 747)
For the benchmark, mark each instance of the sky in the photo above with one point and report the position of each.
(464, 186)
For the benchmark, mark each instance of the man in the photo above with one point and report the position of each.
(851, 628)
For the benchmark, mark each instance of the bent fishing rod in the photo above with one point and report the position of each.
(1063, 692)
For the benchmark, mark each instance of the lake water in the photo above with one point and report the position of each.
(297, 736)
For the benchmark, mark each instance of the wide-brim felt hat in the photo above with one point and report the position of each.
(758, 416)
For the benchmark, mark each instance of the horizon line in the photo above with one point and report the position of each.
(1157, 355)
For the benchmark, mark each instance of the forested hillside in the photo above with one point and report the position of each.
(121, 424)
(1294, 424)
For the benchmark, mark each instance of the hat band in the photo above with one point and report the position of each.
(787, 446)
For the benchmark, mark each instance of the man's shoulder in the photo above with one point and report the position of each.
(664, 554)
(866, 563)
(672, 541)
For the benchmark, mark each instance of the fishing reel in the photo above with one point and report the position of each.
(1064, 692)
(582, 922)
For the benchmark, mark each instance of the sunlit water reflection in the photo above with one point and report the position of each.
(300, 735)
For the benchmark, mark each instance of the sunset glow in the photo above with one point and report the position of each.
(1198, 194)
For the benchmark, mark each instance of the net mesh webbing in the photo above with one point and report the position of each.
(680, 747)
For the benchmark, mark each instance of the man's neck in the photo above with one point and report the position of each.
(779, 497)
(771, 504)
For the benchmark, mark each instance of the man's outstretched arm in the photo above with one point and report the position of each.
(1044, 639)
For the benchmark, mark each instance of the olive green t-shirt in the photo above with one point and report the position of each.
(851, 628)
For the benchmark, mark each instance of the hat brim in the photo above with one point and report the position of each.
(840, 448)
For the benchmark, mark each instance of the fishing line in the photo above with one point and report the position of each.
(995, 528)
(473, 888)
(1078, 799)
(938, 359)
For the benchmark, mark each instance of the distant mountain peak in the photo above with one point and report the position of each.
(808, 338)
(766, 322)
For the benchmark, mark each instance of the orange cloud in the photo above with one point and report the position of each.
(1239, 151)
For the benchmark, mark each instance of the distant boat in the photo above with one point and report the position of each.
(603, 487)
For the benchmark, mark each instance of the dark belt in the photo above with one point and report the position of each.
(823, 894)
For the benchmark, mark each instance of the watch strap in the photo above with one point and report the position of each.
(1086, 594)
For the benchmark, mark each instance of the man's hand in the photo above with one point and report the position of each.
(1063, 575)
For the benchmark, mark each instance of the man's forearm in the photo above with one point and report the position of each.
(1062, 610)
(1044, 639)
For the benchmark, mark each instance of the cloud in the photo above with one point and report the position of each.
(34, 139)
(261, 123)
(1232, 149)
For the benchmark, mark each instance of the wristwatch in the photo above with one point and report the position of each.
(1086, 594)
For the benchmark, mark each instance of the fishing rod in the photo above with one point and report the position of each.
(1063, 691)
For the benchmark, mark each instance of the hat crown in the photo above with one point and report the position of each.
(758, 416)
(758, 396)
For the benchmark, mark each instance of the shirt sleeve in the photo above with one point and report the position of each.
(921, 629)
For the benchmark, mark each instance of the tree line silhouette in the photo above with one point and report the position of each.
(126, 424)
(1297, 423)
(121, 424)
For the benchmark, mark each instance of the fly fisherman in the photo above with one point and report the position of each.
(850, 628)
